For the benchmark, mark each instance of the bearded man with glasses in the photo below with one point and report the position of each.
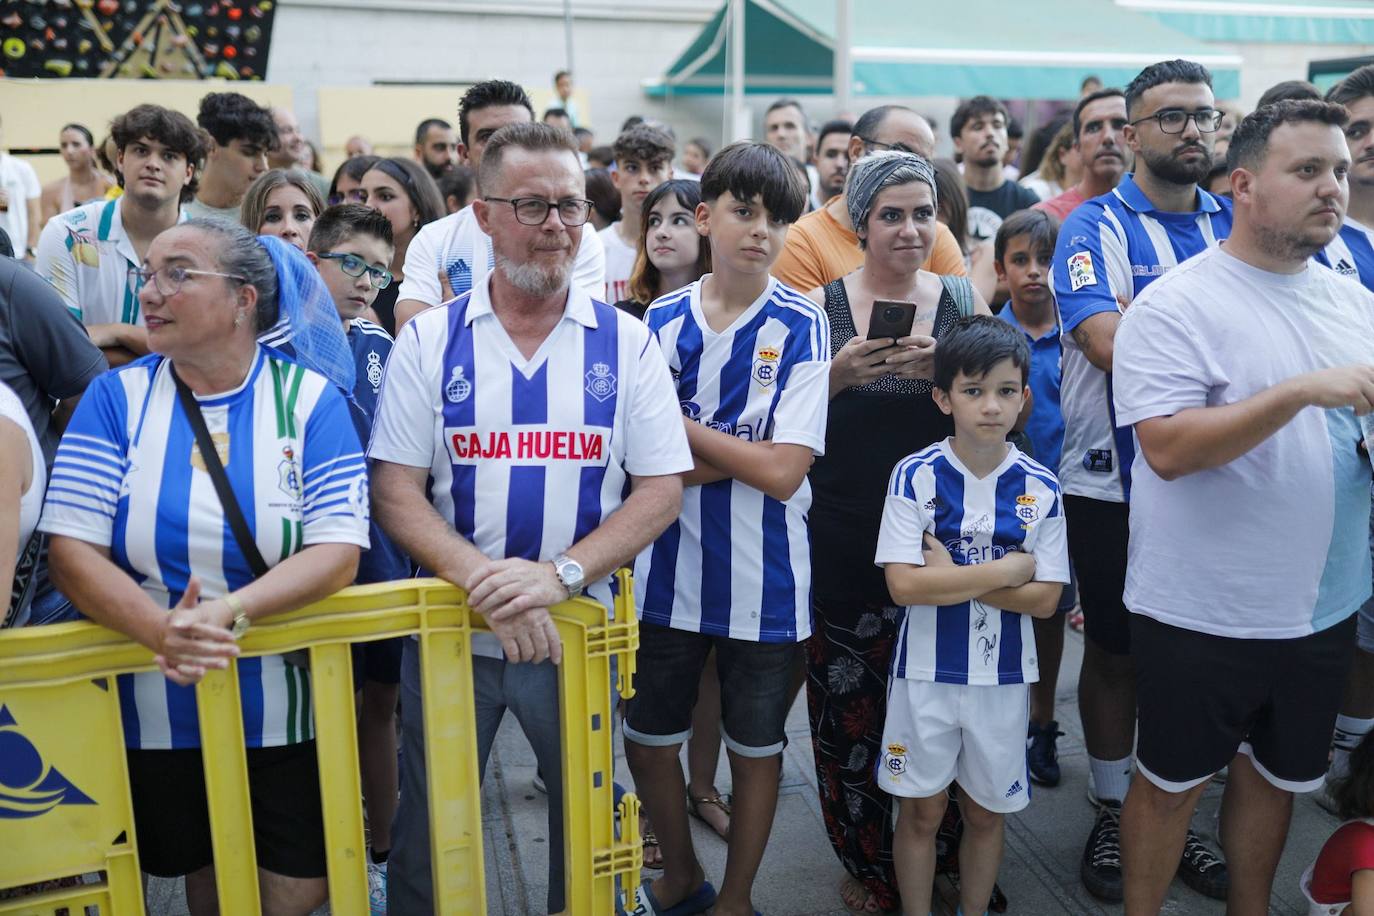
(524, 387)
(1110, 249)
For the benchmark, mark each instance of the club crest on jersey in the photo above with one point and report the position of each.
(766, 365)
(600, 382)
(1026, 509)
(289, 473)
(374, 370)
(1081, 271)
(458, 388)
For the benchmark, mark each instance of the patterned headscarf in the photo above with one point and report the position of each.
(884, 169)
(307, 316)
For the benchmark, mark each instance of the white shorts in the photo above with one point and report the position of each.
(938, 733)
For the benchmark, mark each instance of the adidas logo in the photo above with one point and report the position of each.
(930, 504)
(1015, 787)
(1345, 268)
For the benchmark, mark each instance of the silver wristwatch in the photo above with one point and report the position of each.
(569, 573)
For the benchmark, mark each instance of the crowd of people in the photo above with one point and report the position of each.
(860, 419)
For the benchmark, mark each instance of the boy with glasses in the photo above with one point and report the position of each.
(351, 246)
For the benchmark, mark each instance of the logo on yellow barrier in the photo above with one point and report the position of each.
(29, 786)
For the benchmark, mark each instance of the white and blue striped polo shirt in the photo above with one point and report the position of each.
(1351, 253)
(527, 457)
(1110, 248)
(737, 562)
(1015, 507)
(128, 476)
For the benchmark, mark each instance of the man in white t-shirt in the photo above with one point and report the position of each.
(20, 193)
(643, 161)
(452, 255)
(512, 422)
(1249, 555)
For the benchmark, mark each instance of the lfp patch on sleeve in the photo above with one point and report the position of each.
(1081, 270)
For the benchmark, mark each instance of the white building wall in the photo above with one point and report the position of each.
(615, 45)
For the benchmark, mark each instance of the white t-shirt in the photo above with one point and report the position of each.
(31, 502)
(1273, 545)
(620, 262)
(528, 456)
(458, 246)
(21, 181)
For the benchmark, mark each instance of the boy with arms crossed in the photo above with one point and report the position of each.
(973, 542)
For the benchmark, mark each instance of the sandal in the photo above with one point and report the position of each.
(860, 901)
(721, 802)
(651, 842)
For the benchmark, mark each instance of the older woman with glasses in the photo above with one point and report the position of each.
(204, 487)
(880, 411)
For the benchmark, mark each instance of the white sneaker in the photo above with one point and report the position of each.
(376, 886)
(1325, 797)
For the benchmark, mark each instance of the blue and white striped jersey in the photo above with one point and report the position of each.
(128, 476)
(1110, 248)
(1016, 507)
(737, 562)
(1351, 253)
(528, 456)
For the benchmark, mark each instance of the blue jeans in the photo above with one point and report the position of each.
(528, 691)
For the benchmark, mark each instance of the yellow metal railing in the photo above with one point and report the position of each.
(64, 791)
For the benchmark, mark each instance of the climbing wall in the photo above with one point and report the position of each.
(135, 39)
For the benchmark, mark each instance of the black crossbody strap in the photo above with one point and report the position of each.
(232, 513)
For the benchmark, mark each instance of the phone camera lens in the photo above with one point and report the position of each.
(892, 314)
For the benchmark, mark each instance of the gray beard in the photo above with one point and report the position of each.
(536, 281)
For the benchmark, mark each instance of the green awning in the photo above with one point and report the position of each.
(915, 48)
(1288, 21)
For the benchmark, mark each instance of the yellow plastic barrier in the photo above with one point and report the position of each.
(64, 796)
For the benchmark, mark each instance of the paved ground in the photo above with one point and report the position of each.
(800, 874)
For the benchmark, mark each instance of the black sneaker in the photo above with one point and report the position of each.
(1042, 756)
(1203, 870)
(1101, 869)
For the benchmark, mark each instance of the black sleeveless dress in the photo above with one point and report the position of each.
(870, 428)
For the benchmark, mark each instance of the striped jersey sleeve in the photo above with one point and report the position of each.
(89, 470)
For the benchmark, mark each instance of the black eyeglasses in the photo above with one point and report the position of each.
(355, 266)
(532, 211)
(168, 280)
(895, 147)
(1175, 120)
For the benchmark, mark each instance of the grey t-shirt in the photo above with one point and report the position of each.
(197, 210)
(45, 353)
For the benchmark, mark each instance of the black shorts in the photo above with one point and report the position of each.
(172, 818)
(755, 686)
(1201, 699)
(378, 661)
(1098, 531)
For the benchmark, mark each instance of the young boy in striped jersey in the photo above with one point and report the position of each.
(973, 543)
(351, 246)
(751, 361)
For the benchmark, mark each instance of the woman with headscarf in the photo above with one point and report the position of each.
(201, 488)
(880, 410)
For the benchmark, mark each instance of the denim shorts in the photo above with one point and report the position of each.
(755, 681)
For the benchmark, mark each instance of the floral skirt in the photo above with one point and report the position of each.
(848, 656)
